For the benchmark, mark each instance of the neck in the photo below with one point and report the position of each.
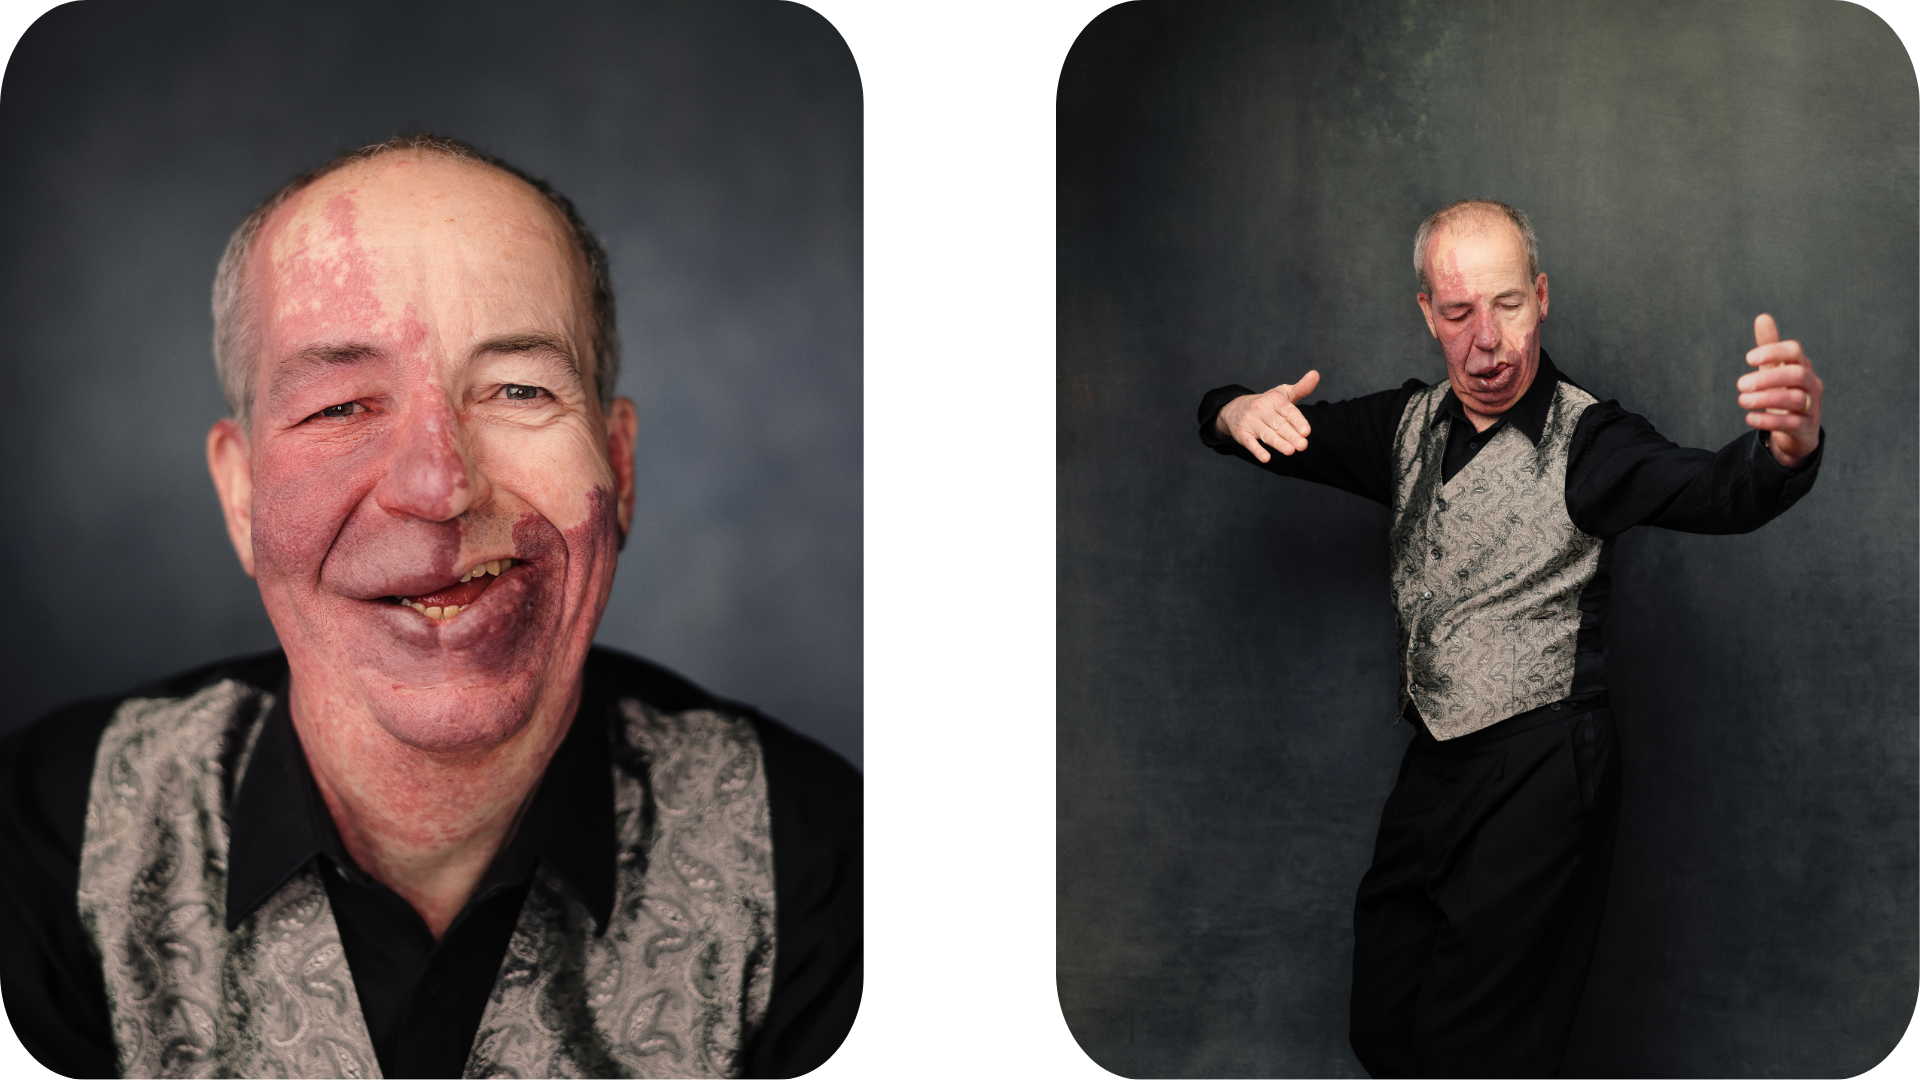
(426, 824)
(1480, 421)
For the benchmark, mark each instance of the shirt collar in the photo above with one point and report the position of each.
(280, 822)
(1529, 414)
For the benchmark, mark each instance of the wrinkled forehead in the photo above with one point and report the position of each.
(418, 226)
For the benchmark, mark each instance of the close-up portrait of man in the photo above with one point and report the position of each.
(443, 820)
(1514, 677)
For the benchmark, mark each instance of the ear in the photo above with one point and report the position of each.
(622, 422)
(232, 468)
(1540, 290)
(1426, 309)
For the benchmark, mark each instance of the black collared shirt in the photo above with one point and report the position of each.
(1620, 471)
(422, 1000)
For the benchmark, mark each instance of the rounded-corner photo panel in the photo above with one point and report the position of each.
(1472, 658)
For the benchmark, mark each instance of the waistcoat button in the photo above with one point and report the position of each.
(1436, 554)
(1440, 504)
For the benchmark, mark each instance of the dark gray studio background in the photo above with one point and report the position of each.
(715, 147)
(1239, 187)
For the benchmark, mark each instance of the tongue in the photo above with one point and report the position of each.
(459, 595)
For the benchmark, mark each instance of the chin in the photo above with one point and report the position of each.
(453, 719)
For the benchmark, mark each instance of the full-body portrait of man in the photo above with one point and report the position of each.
(1508, 483)
(439, 832)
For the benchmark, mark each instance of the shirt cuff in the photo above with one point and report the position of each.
(1210, 407)
(1792, 483)
(1807, 464)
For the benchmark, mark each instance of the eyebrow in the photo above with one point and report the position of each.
(327, 356)
(552, 345)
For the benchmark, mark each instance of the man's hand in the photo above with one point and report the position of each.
(1270, 418)
(1784, 395)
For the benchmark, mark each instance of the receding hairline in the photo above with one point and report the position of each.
(236, 329)
(1469, 216)
(333, 183)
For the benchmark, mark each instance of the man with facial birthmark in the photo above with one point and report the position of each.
(1475, 925)
(438, 833)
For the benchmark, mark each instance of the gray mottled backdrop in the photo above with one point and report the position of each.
(715, 148)
(1239, 186)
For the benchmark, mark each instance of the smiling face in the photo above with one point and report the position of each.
(430, 495)
(1485, 310)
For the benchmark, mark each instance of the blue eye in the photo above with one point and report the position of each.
(346, 408)
(517, 392)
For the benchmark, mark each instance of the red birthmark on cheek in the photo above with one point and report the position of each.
(1456, 339)
(590, 544)
(601, 525)
(592, 549)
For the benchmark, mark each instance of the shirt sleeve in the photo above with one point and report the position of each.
(1622, 473)
(1350, 445)
(55, 997)
(814, 799)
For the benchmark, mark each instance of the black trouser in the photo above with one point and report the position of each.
(1476, 923)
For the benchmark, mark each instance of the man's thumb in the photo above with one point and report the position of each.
(1764, 332)
(1305, 386)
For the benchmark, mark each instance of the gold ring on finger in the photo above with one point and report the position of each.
(1809, 405)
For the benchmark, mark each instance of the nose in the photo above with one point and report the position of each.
(1486, 337)
(430, 477)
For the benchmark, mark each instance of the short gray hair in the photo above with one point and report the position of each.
(236, 318)
(1477, 208)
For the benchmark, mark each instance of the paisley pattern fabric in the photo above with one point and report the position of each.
(675, 986)
(1487, 568)
(683, 975)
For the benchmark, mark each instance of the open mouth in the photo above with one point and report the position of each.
(442, 604)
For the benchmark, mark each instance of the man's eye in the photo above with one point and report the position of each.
(345, 408)
(517, 392)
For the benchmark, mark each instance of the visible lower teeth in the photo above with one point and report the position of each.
(495, 568)
(447, 612)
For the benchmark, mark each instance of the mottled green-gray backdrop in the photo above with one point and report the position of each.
(1239, 186)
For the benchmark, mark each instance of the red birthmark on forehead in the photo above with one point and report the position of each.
(328, 272)
(330, 284)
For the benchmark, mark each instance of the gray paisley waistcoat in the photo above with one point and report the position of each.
(1487, 568)
(675, 986)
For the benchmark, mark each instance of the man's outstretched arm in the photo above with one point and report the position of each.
(1623, 473)
(1344, 444)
